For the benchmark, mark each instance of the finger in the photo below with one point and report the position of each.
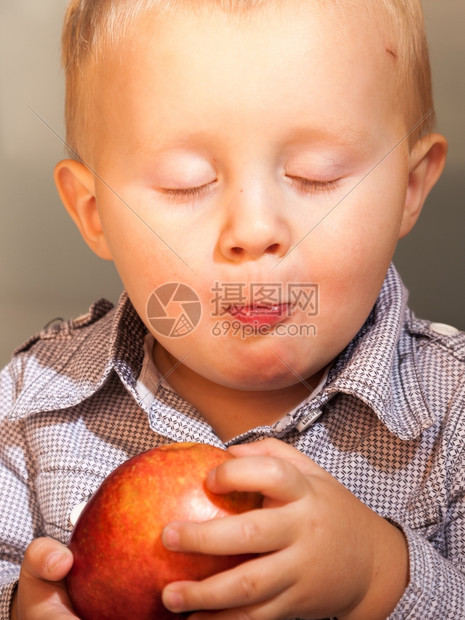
(275, 448)
(48, 559)
(42, 590)
(278, 608)
(275, 478)
(250, 583)
(257, 531)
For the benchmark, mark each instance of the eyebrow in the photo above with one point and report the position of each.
(344, 136)
(152, 147)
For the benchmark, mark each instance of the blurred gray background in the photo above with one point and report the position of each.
(46, 270)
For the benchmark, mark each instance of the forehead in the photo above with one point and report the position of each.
(176, 22)
(246, 63)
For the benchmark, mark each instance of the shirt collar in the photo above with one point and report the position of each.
(379, 368)
(67, 363)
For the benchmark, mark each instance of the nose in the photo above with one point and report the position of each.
(254, 225)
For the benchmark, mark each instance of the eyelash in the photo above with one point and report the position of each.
(188, 193)
(304, 186)
(309, 186)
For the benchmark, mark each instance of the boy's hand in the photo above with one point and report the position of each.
(324, 553)
(42, 593)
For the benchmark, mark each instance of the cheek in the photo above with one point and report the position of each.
(366, 224)
(361, 254)
(351, 251)
(144, 259)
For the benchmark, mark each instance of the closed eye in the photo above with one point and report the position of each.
(187, 193)
(312, 186)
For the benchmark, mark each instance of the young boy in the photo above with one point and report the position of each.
(247, 153)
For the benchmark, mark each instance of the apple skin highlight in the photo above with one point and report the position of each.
(120, 564)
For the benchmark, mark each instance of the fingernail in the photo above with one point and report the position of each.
(172, 599)
(211, 478)
(170, 538)
(55, 559)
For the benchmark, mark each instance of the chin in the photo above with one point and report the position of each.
(252, 377)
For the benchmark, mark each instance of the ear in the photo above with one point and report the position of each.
(76, 186)
(426, 163)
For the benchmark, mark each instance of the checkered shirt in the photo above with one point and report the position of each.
(391, 429)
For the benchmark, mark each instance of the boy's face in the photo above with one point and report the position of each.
(254, 150)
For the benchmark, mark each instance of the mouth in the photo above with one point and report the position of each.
(260, 314)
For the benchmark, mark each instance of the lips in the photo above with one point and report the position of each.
(260, 314)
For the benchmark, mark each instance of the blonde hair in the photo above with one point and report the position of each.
(92, 27)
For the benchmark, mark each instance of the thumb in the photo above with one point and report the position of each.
(46, 559)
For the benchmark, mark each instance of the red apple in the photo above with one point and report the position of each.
(120, 564)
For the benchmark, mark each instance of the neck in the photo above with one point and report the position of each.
(231, 411)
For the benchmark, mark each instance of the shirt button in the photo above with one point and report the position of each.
(75, 513)
(443, 329)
